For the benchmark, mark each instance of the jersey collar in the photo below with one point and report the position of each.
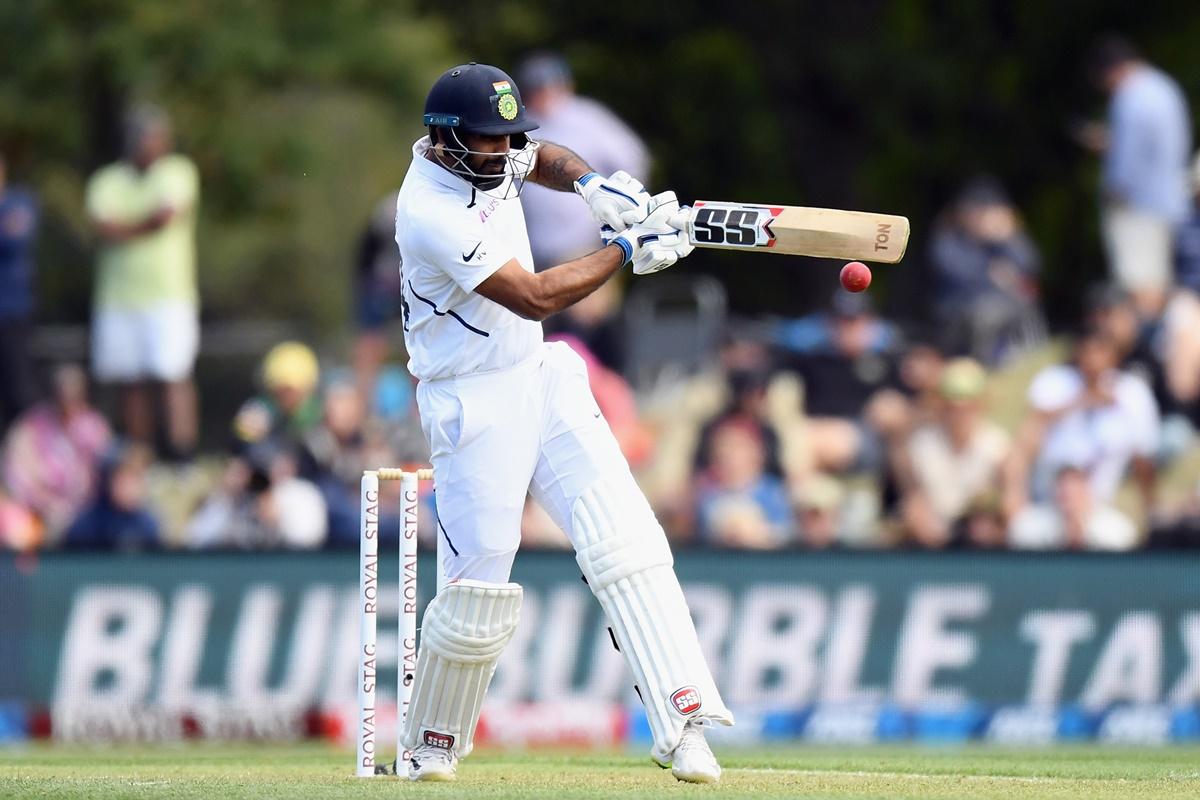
(436, 172)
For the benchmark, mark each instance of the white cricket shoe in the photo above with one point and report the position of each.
(692, 760)
(429, 763)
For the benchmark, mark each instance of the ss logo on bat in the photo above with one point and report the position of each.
(735, 227)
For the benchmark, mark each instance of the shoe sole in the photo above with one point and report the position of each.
(695, 777)
(433, 777)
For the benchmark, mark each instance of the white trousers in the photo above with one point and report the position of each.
(536, 428)
(495, 436)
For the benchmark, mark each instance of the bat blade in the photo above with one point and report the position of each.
(798, 231)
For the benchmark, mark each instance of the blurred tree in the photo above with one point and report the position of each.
(300, 115)
(298, 112)
(885, 105)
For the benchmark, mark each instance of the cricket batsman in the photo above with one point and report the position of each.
(506, 414)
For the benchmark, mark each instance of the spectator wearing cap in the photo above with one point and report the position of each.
(1144, 185)
(145, 321)
(52, 455)
(1091, 415)
(985, 275)
(955, 462)
(18, 229)
(1073, 520)
(290, 406)
(738, 503)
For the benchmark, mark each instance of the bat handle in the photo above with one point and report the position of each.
(682, 219)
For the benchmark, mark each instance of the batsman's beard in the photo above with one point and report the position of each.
(513, 166)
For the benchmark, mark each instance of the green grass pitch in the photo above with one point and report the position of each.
(300, 771)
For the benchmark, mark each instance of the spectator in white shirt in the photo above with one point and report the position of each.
(1074, 521)
(1088, 415)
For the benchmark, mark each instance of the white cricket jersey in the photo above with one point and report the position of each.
(451, 239)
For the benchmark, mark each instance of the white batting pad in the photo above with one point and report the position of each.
(624, 556)
(465, 628)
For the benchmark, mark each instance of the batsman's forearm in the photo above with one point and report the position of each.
(567, 284)
(558, 167)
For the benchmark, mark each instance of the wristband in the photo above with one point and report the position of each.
(626, 248)
(583, 179)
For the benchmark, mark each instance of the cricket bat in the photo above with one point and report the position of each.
(798, 231)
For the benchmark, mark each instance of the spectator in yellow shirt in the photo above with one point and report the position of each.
(145, 322)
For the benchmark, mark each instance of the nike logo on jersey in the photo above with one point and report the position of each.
(469, 256)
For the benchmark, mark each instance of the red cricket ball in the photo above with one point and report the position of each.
(855, 276)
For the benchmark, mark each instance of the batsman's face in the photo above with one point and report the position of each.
(495, 146)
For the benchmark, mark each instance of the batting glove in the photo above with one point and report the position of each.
(656, 242)
(614, 200)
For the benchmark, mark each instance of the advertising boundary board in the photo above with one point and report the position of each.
(826, 646)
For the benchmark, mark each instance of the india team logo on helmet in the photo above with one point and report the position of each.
(686, 700)
(506, 104)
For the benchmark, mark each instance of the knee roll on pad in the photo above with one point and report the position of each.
(617, 536)
(625, 558)
(464, 630)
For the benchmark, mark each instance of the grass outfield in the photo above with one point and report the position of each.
(216, 772)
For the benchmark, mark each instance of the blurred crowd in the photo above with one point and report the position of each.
(966, 427)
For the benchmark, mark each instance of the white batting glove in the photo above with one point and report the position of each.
(656, 242)
(614, 200)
